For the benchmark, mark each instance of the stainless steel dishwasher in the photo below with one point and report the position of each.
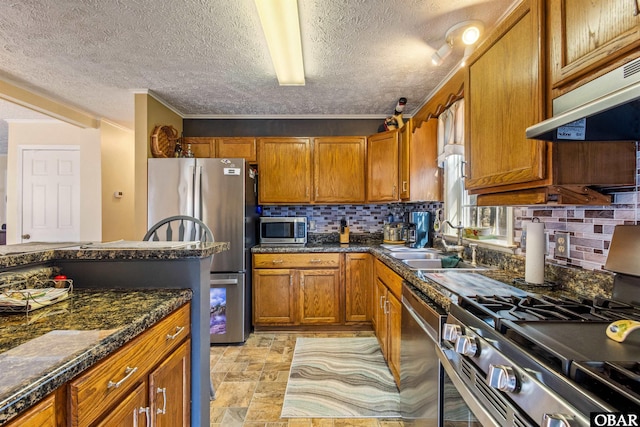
(420, 372)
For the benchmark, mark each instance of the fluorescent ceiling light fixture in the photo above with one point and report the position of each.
(281, 28)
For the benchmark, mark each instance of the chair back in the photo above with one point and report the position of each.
(179, 228)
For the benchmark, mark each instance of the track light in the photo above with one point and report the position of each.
(468, 32)
(468, 50)
(441, 54)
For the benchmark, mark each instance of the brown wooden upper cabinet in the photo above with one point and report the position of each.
(589, 39)
(420, 177)
(242, 147)
(505, 94)
(339, 169)
(382, 167)
(285, 170)
(231, 147)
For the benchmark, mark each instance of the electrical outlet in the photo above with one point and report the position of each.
(562, 245)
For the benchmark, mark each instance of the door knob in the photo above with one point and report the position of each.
(26, 236)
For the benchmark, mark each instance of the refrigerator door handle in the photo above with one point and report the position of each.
(197, 192)
(223, 281)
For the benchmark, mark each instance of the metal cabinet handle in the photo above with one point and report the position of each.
(315, 261)
(394, 190)
(141, 410)
(162, 411)
(277, 261)
(386, 307)
(128, 372)
(382, 298)
(405, 184)
(503, 378)
(179, 330)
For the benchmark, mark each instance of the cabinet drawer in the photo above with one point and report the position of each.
(389, 278)
(107, 382)
(308, 260)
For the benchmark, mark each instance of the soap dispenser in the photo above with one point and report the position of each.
(344, 231)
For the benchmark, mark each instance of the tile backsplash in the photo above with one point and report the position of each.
(360, 218)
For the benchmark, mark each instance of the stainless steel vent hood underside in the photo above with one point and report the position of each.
(605, 109)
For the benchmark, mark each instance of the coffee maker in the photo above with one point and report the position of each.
(418, 235)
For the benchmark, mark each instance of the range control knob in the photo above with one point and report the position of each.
(558, 420)
(467, 346)
(503, 378)
(451, 332)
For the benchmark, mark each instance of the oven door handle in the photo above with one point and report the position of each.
(423, 325)
(476, 407)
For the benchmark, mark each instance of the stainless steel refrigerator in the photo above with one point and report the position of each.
(223, 194)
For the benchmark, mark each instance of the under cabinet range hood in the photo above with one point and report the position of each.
(605, 109)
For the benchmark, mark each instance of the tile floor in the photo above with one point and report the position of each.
(251, 380)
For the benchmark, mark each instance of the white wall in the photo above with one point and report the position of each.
(58, 133)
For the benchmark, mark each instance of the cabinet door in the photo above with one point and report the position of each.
(587, 36)
(405, 162)
(132, 411)
(422, 171)
(42, 414)
(381, 330)
(339, 169)
(358, 287)
(285, 170)
(273, 297)
(169, 387)
(319, 296)
(382, 167)
(237, 147)
(394, 313)
(500, 109)
(202, 146)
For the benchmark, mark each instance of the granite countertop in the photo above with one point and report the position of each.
(436, 286)
(50, 346)
(33, 253)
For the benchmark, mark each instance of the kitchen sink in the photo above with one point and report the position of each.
(436, 264)
(414, 255)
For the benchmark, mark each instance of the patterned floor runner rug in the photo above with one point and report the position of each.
(340, 378)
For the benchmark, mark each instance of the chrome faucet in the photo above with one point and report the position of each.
(459, 247)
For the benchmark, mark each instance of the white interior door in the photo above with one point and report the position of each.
(50, 195)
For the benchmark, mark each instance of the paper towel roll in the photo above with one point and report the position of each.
(534, 255)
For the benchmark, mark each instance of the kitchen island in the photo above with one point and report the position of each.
(134, 268)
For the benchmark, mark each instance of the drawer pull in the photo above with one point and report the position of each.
(179, 330)
(163, 411)
(277, 261)
(315, 261)
(138, 411)
(128, 372)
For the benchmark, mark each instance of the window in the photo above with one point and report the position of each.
(459, 206)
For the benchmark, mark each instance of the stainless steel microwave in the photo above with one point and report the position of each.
(284, 230)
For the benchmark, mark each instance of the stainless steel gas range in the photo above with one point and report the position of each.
(539, 360)
(528, 359)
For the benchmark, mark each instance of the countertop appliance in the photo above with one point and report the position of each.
(420, 231)
(283, 230)
(223, 194)
(605, 109)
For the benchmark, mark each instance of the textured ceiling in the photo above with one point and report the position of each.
(208, 58)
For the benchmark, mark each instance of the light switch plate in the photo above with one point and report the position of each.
(562, 245)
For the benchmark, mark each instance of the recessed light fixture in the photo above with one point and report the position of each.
(281, 26)
(468, 32)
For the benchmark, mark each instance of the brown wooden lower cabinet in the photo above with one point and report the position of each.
(387, 315)
(307, 292)
(43, 414)
(146, 382)
(312, 289)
